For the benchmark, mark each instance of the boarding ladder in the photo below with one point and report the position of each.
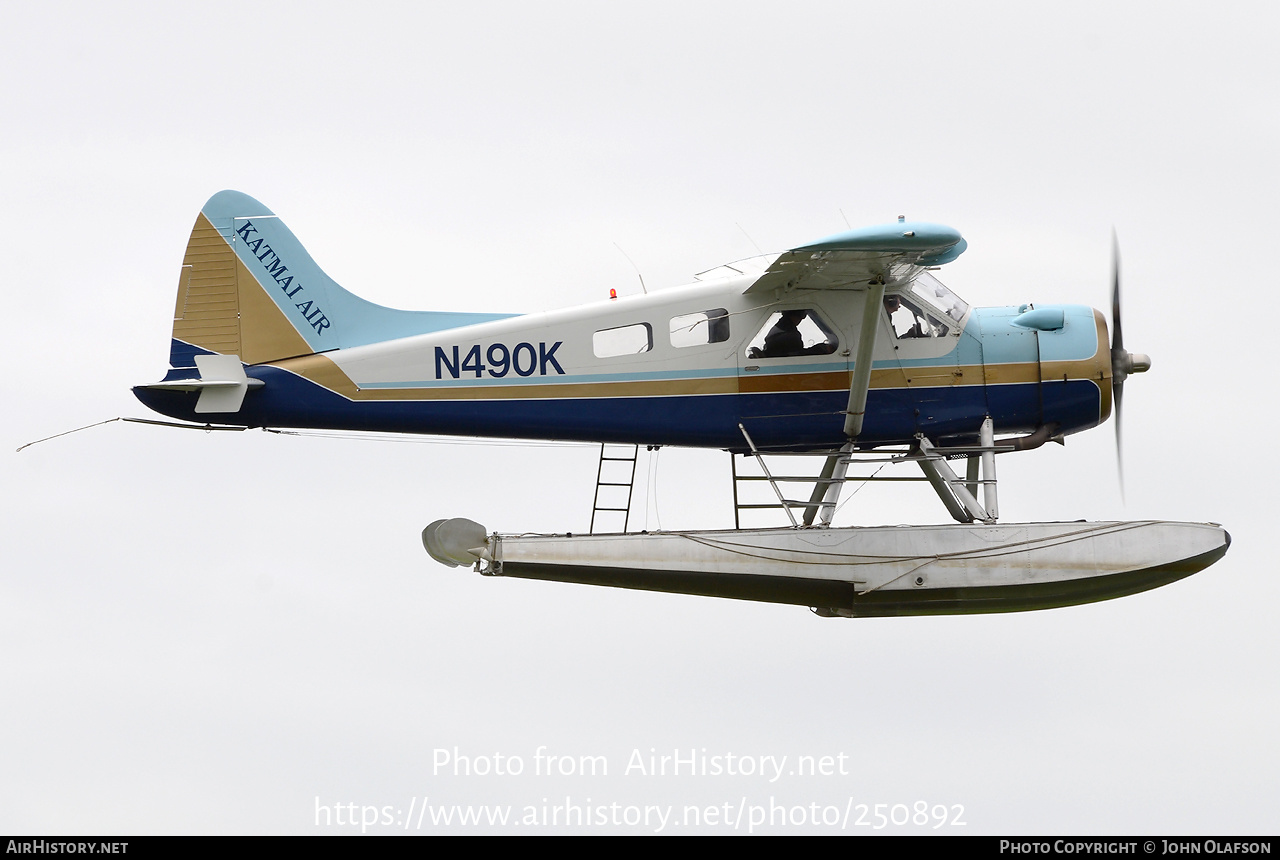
(616, 473)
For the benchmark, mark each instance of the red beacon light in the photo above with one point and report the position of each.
(613, 294)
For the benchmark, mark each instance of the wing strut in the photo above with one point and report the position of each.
(827, 490)
(862, 362)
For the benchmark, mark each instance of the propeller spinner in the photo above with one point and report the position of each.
(1123, 363)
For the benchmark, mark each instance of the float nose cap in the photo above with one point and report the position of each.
(457, 542)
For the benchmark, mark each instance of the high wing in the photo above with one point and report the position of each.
(890, 255)
(868, 260)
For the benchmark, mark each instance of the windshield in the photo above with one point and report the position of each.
(932, 291)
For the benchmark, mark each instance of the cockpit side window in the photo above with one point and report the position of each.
(908, 318)
(799, 331)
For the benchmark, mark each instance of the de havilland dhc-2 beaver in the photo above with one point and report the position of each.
(848, 347)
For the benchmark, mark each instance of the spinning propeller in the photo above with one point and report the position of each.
(1123, 363)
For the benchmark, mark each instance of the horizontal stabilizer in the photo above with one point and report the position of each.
(222, 383)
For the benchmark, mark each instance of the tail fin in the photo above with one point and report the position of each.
(249, 288)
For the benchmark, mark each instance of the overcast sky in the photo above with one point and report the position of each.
(235, 633)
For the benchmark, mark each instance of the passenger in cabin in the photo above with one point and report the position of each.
(784, 339)
(717, 325)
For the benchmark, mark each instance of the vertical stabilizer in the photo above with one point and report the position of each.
(248, 288)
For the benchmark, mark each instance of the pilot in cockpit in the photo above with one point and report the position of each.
(907, 321)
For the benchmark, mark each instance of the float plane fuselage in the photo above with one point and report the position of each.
(847, 347)
(688, 366)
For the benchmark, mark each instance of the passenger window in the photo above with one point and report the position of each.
(624, 340)
(701, 328)
(793, 332)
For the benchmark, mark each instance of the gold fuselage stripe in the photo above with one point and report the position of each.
(324, 372)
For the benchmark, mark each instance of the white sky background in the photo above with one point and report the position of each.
(205, 633)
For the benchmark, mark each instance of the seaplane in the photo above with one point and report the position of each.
(849, 349)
